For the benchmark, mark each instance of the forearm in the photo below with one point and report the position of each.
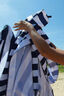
(40, 43)
(56, 55)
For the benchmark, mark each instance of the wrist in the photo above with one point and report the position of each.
(32, 31)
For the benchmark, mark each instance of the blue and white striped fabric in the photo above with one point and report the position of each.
(25, 64)
(20, 76)
(5, 39)
(39, 20)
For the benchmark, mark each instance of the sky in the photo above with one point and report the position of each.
(12, 11)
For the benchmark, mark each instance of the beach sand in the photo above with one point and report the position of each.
(58, 87)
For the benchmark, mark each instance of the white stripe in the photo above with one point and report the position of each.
(35, 60)
(40, 57)
(2, 88)
(40, 32)
(3, 63)
(29, 17)
(18, 40)
(28, 36)
(54, 68)
(36, 85)
(34, 47)
(7, 43)
(37, 20)
(10, 32)
(55, 76)
(44, 65)
(16, 33)
(35, 72)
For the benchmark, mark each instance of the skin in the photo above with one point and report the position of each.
(54, 54)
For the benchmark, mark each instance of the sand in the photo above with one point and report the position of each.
(58, 87)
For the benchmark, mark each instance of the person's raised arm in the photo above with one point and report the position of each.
(56, 55)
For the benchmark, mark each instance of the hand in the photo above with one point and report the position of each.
(23, 25)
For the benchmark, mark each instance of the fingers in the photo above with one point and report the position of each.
(15, 26)
(20, 22)
(20, 26)
(17, 29)
(23, 25)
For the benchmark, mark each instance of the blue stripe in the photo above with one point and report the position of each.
(42, 19)
(55, 73)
